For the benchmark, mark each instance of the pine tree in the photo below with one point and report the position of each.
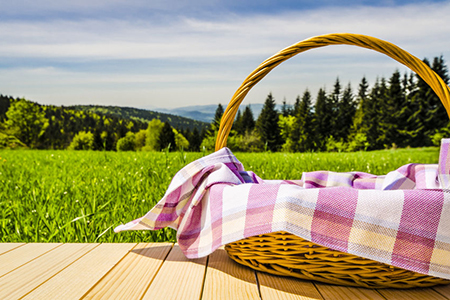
(217, 117)
(285, 111)
(302, 131)
(267, 125)
(296, 106)
(322, 120)
(361, 103)
(391, 110)
(437, 115)
(344, 115)
(195, 140)
(375, 121)
(166, 137)
(248, 121)
(333, 102)
(237, 124)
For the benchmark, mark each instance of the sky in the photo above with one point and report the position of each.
(167, 54)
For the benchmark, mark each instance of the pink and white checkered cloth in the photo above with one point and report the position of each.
(402, 219)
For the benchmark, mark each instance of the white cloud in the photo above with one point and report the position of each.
(222, 48)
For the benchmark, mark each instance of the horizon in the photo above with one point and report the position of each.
(144, 55)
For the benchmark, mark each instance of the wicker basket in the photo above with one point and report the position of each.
(285, 254)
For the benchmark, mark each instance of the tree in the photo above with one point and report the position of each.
(345, 113)
(357, 137)
(166, 137)
(392, 104)
(217, 117)
(285, 110)
(26, 121)
(286, 123)
(437, 115)
(322, 120)
(237, 125)
(180, 141)
(248, 121)
(333, 102)
(296, 107)
(141, 139)
(302, 134)
(372, 122)
(82, 141)
(5, 102)
(154, 129)
(127, 143)
(267, 125)
(361, 106)
(195, 140)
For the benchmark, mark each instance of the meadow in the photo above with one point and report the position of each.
(80, 196)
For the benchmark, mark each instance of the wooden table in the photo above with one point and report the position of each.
(157, 271)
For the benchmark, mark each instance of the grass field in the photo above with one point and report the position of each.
(78, 196)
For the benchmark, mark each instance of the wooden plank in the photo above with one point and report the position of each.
(337, 292)
(26, 278)
(13, 259)
(5, 247)
(75, 280)
(226, 279)
(443, 290)
(130, 278)
(286, 288)
(178, 278)
(411, 294)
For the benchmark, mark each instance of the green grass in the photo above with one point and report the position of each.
(78, 196)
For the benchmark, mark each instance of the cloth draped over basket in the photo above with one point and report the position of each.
(401, 219)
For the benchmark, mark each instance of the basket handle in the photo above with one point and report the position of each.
(391, 50)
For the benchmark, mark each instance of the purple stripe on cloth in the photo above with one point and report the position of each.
(364, 181)
(333, 216)
(189, 235)
(417, 230)
(169, 213)
(314, 179)
(200, 176)
(260, 206)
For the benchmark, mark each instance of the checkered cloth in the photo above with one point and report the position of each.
(402, 219)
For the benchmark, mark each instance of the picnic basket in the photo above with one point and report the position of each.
(285, 254)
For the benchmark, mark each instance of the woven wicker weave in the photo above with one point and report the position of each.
(285, 254)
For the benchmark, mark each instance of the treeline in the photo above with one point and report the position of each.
(27, 124)
(400, 111)
(142, 115)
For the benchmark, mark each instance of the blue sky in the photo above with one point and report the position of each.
(176, 53)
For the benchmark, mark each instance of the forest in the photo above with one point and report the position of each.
(400, 111)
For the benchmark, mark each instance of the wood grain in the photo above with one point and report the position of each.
(75, 280)
(285, 288)
(336, 292)
(13, 259)
(178, 278)
(443, 290)
(226, 279)
(5, 247)
(132, 276)
(158, 271)
(26, 278)
(411, 294)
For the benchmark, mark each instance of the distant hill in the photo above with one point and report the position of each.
(205, 113)
(144, 115)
